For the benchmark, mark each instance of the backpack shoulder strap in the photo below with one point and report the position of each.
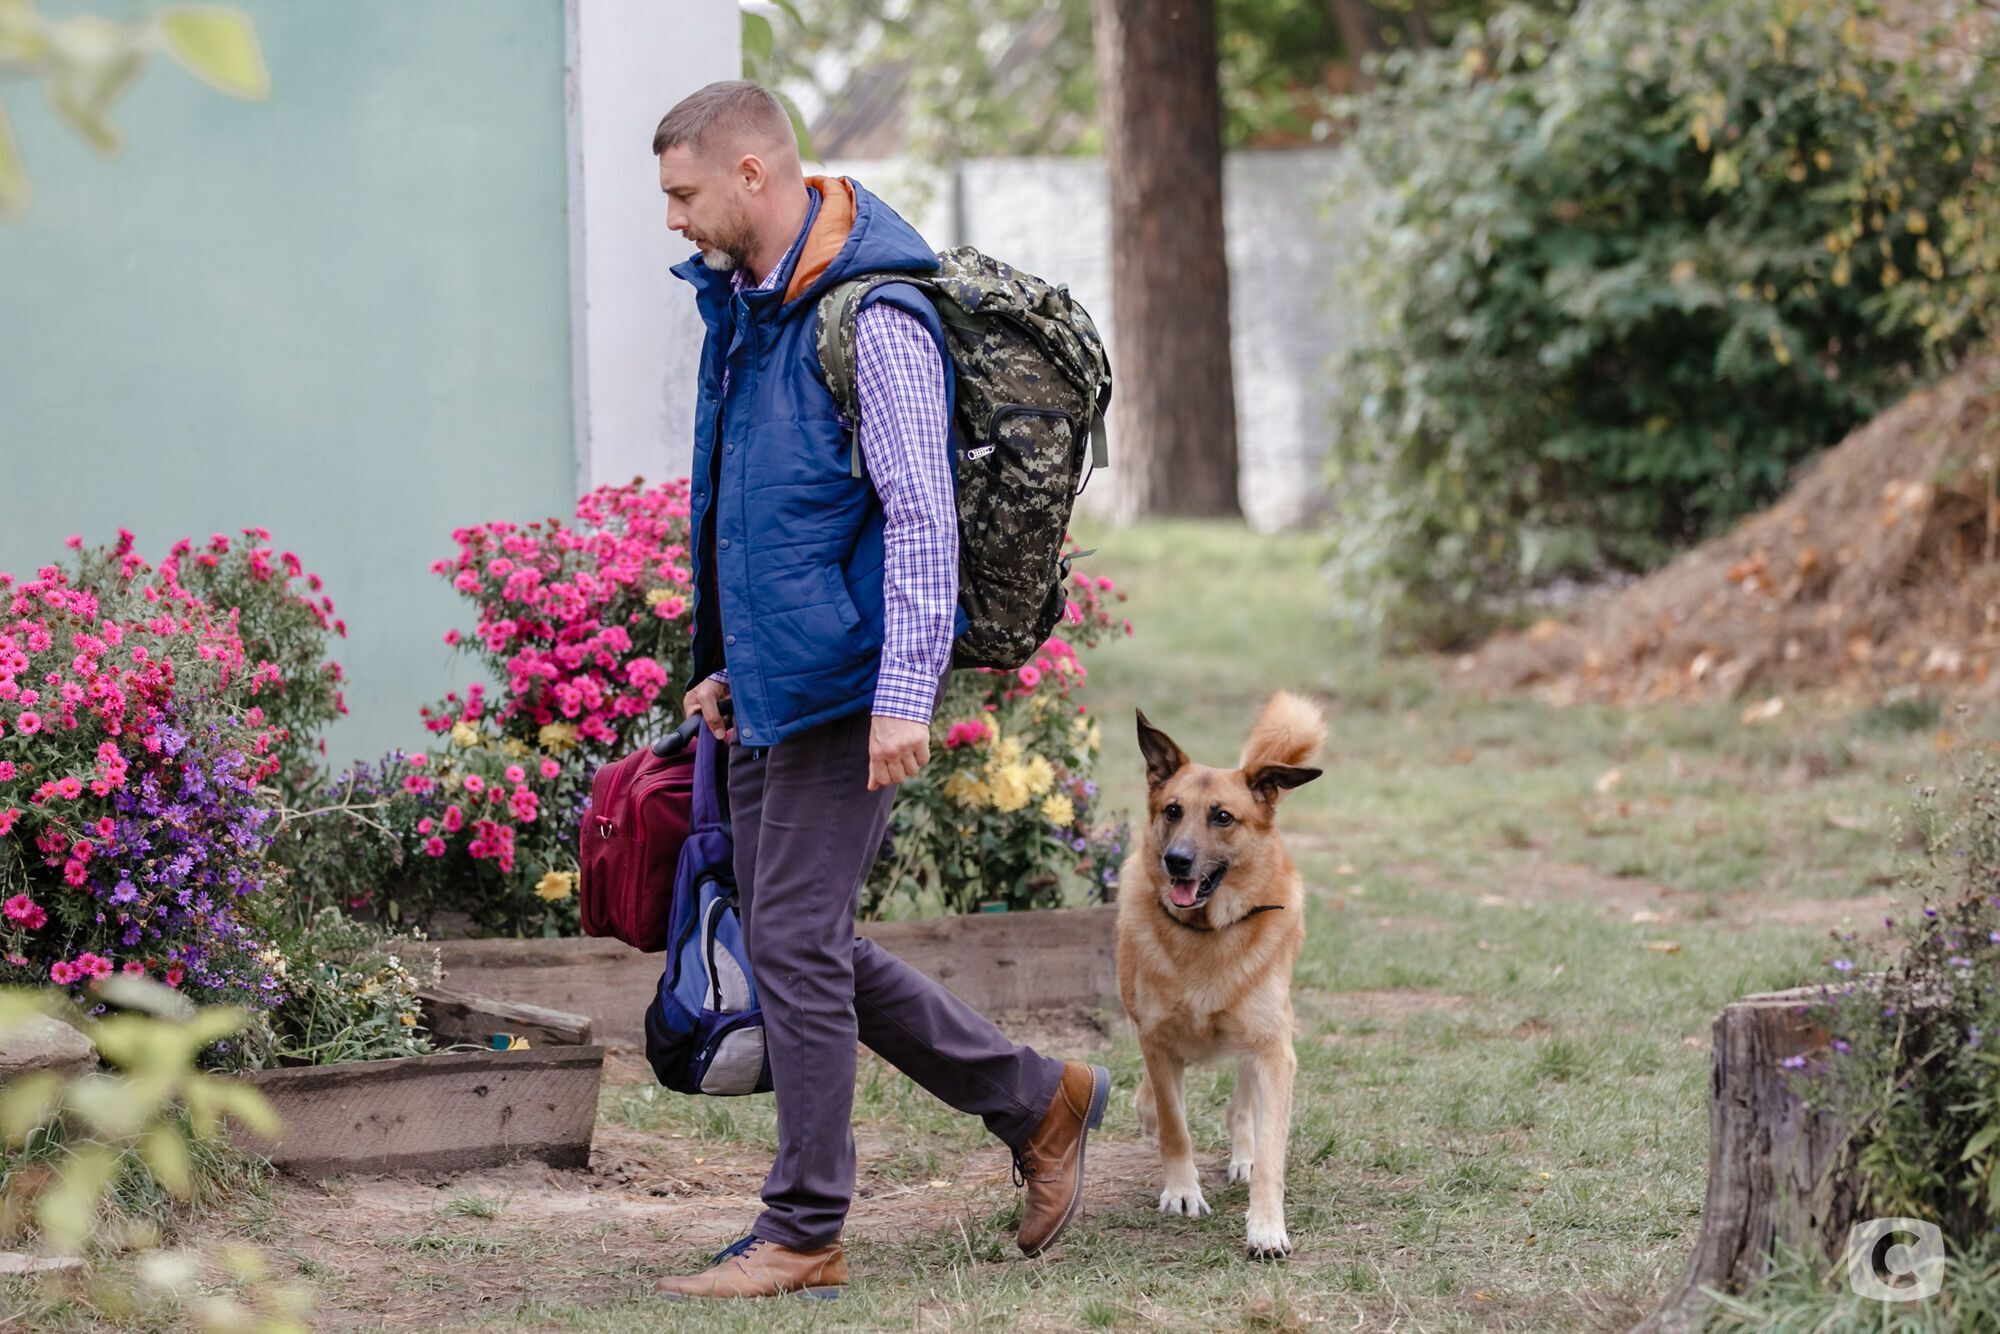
(838, 310)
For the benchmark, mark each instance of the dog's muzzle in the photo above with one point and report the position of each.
(1187, 892)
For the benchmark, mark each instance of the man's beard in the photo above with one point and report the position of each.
(730, 252)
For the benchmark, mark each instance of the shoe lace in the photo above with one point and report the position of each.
(741, 1246)
(1023, 1172)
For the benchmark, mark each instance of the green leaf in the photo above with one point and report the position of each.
(1981, 1142)
(68, 1210)
(137, 992)
(166, 1153)
(806, 149)
(218, 45)
(241, 1101)
(27, 1104)
(758, 41)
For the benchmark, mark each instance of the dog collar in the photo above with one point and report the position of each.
(1190, 926)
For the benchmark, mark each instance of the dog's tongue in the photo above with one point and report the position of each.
(1182, 892)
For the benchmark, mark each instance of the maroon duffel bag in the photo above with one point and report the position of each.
(640, 809)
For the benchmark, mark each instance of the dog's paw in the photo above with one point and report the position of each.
(1187, 1201)
(1267, 1241)
(1239, 1170)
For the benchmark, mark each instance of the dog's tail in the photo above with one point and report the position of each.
(1289, 731)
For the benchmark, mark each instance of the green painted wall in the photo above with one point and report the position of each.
(342, 313)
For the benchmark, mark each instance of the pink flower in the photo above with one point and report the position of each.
(96, 965)
(475, 784)
(550, 769)
(417, 783)
(1030, 675)
(71, 787)
(6, 770)
(61, 973)
(434, 846)
(419, 761)
(28, 723)
(25, 911)
(8, 818)
(454, 819)
(425, 825)
(133, 967)
(174, 974)
(516, 774)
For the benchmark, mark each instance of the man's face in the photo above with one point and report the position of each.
(705, 205)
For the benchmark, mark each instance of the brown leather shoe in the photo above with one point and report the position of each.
(754, 1267)
(1050, 1164)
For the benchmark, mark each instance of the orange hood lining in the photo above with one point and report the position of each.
(828, 235)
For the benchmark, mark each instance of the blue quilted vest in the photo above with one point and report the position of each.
(788, 539)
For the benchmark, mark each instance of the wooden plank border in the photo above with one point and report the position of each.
(1058, 957)
(446, 1113)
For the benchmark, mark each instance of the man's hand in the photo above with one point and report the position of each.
(897, 748)
(706, 700)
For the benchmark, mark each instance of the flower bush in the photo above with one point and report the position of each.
(480, 832)
(1913, 1063)
(133, 740)
(352, 994)
(589, 626)
(1005, 812)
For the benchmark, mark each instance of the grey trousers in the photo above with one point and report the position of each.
(807, 830)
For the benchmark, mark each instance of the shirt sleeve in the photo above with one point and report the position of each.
(905, 439)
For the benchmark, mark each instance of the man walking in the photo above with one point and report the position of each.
(825, 609)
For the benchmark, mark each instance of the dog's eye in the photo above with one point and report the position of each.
(1172, 812)
(1221, 819)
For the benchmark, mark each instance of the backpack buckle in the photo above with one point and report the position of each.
(605, 828)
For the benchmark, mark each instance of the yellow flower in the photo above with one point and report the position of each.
(513, 748)
(557, 736)
(1039, 707)
(1041, 775)
(1010, 787)
(655, 596)
(464, 734)
(409, 1020)
(1007, 751)
(1096, 737)
(966, 789)
(1058, 810)
(556, 885)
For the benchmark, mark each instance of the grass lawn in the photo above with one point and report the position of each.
(1522, 921)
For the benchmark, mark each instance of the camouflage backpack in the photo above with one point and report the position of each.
(1032, 385)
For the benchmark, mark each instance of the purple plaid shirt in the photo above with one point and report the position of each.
(899, 385)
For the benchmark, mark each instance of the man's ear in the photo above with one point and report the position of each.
(1163, 758)
(1271, 781)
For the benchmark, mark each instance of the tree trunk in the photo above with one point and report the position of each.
(1361, 30)
(1777, 1171)
(1174, 406)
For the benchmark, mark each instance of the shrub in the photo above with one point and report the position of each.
(1625, 270)
(1914, 1064)
(589, 625)
(132, 744)
(1005, 809)
(352, 994)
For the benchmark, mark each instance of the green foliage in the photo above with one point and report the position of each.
(970, 90)
(1623, 272)
(88, 63)
(351, 994)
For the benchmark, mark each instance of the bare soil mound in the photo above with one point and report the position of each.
(1877, 569)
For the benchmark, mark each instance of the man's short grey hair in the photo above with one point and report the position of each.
(734, 107)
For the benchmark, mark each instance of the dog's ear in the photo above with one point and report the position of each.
(1163, 758)
(1271, 781)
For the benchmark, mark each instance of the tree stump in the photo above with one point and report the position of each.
(1777, 1171)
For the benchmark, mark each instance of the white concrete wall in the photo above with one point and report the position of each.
(635, 339)
(1051, 216)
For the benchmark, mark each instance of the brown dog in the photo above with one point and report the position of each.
(1211, 915)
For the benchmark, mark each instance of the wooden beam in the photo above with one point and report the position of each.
(448, 1113)
(992, 961)
(462, 1016)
